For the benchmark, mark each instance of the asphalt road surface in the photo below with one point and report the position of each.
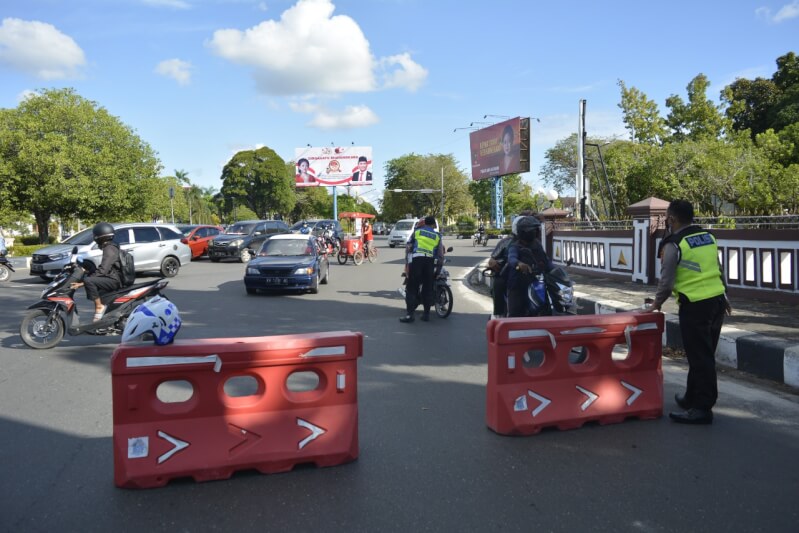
(427, 461)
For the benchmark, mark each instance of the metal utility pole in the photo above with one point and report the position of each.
(580, 191)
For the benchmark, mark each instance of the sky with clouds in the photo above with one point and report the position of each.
(201, 79)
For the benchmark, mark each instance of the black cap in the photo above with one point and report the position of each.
(362, 158)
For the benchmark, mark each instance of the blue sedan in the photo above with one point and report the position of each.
(287, 262)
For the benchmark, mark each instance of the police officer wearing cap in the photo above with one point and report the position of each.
(690, 270)
(424, 247)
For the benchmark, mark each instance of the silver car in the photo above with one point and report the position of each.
(154, 247)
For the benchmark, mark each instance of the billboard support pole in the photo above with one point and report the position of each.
(499, 215)
(335, 204)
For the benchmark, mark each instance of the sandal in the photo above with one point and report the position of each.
(99, 314)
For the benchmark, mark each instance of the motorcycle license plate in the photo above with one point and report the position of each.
(37, 268)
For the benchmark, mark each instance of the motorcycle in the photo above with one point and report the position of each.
(56, 313)
(5, 267)
(551, 293)
(442, 291)
(480, 239)
(331, 242)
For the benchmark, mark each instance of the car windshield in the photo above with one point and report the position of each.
(403, 225)
(283, 247)
(80, 238)
(240, 229)
(185, 230)
(298, 225)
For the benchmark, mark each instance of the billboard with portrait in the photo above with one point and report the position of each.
(329, 165)
(501, 149)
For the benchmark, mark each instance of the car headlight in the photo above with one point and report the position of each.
(252, 271)
(236, 242)
(304, 271)
(57, 257)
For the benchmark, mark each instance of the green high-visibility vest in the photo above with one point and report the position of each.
(427, 241)
(698, 276)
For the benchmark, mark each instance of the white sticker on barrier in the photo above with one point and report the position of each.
(591, 397)
(326, 351)
(341, 381)
(316, 431)
(527, 333)
(138, 447)
(177, 443)
(141, 362)
(636, 392)
(511, 362)
(520, 404)
(640, 327)
(544, 402)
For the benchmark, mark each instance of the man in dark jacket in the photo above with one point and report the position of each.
(107, 277)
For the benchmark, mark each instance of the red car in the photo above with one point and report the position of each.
(197, 236)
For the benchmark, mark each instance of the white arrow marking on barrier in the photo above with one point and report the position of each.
(177, 443)
(544, 402)
(591, 397)
(635, 390)
(315, 432)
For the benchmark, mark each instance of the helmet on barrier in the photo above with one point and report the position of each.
(526, 228)
(102, 232)
(158, 317)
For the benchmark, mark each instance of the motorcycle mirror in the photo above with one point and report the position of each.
(449, 249)
(74, 257)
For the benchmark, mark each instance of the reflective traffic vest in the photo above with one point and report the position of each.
(698, 276)
(427, 240)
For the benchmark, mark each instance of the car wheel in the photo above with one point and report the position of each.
(170, 267)
(45, 278)
(327, 275)
(245, 255)
(315, 286)
(251, 291)
(390, 245)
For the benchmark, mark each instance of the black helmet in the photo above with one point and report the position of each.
(527, 228)
(103, 231)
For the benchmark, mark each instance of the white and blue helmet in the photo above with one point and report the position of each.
(158, 317)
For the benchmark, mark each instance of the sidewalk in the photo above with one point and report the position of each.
(760, 338)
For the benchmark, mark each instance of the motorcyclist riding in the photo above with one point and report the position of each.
(526, 257)
(107, 277)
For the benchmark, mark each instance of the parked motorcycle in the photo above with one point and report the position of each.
(5, 267)
(57, 313)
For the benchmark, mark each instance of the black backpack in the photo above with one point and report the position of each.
(127, 271)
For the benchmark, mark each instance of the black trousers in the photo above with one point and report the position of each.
(95, 285)
(498, 290)
(700, 326)
(421, 273)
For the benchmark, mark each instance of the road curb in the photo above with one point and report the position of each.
(754, 353)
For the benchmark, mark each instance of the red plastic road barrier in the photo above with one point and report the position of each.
(536, 379)
(217, 430)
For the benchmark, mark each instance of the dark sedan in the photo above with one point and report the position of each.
(289, 261)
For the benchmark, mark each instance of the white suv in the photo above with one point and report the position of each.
(154, 247)
(401, 232)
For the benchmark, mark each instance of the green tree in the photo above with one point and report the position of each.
(415, 171)
(260, 180)
(786, 110)
(67, 156)
(749, 103)
(641, 116)
(699, 118)
(516, 195)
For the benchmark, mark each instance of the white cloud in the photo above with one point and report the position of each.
(786, 12)
(310, 50)
(24, 95)
(357, 116)
(410, 75)
(176, 69)
(174, 4)
(39, 49)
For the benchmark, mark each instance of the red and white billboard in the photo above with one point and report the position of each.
(501, 149)
(328, 166)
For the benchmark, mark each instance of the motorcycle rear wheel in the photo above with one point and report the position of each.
(443, 301)
(37, 333)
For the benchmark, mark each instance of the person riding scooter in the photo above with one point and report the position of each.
(526, 258)
(107, 277)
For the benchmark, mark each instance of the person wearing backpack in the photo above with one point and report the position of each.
(107, 277)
